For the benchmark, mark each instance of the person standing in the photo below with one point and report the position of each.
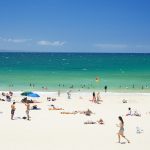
(59, 93)
(105, 87)
(27, 110)
(69, 94)
(94, 98)
(13, 108)
(98, 97)
(121, 130)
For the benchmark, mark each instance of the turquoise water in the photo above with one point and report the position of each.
(120, 72)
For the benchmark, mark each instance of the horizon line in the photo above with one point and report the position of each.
(9, 51)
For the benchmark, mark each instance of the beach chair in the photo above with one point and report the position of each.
(139, 130)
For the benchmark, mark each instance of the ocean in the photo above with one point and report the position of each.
(75, 71)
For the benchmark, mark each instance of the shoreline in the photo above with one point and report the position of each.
(81, 92)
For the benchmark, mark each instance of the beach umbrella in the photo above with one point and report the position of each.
(26, 93)
(33, 95)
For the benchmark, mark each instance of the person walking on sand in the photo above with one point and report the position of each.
(13, 108)
(121, 130)
(27, 110)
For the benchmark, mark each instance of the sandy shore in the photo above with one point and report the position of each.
(49, 129)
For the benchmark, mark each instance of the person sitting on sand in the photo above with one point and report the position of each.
(48, 98)
(124, 101)
(136, 113)
(129, 112)
(100, 121)
(8, 98)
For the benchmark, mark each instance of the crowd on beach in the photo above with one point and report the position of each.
(96, 98)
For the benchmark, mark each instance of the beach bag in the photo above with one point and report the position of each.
(24, 117)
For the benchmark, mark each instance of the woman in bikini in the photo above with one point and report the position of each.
(121, 130)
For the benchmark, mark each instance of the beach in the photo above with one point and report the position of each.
(49, 129)
(74, 75)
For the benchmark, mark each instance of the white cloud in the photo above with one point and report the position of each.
(111, 46)
(51, 43)
(143, 46)
(13, 40)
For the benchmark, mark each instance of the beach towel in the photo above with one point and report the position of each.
(55, 109)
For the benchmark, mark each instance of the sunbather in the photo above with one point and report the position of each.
(89, 122)
(74, 112)
(87, 113)
(35, 107)
(136, 113)
(54, 108)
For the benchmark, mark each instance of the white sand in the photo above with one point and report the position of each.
(54, 131)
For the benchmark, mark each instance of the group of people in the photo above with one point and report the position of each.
(88, 112)
(13, 109)
(96, 97)
(134, 113)
(8, 96)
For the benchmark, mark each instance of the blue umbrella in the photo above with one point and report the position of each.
(33, 95)
(26, 93)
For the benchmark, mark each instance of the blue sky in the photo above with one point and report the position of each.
(75, 25)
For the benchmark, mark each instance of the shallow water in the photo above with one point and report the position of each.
(86, 71)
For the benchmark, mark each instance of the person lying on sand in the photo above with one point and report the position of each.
(54, 108)
(2, 99)
(89, 122)
(136, 113)
(35, 107)
(96, 101)
(100, 121)
(25, 100)
(67, 113)
(87, 113)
